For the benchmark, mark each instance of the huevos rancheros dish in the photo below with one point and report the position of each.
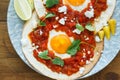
(60, 40)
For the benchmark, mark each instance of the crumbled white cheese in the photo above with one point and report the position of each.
(33, 44)
(88, 52)
(24, 42)
(72, 21)
(62, 21)
(81, 70)
(56, 18)
(65, 12)
(84, 55)
(76, 31)
(90, 13)
(62, 9)
(87, 38)
(97, 39)
(87, 62)
(84, 49)
(97, 53)
(55, 26)
(91, 59)
(41, 32)
(81, 60)
(36, 47)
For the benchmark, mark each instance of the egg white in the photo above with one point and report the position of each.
(78, 8)
(53, 33)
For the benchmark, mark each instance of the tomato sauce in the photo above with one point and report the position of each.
(71, 65)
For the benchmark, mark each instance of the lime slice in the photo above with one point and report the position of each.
(31, 3)
(23, 9)
(40, 8)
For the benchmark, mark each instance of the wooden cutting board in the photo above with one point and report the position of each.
(13, 68)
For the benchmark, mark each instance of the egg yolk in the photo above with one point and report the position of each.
(60, 43)
(76, 2)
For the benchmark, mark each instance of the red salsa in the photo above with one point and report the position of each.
(71, 65)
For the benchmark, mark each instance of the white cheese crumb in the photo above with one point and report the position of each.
(24, 42)
(97, 39)
(62, 21)
(72, 21)
(65, 12)
(87, 38)
(91, 59)
(33, 44)
(56, 18)
(90, 13)
(87, 62)
(55, 26)
(89, 52)
(62, 9)
(36, 47)
(97, 53)
(41, 32)
(81, 70)
(76, 31)
(84, 55)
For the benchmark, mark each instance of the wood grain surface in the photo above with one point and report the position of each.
(13, 68)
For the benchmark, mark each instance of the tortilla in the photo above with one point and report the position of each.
(27, 50)
(43, 69)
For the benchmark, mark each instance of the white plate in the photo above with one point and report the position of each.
(111, 48)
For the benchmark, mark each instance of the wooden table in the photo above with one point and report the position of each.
(13, 68)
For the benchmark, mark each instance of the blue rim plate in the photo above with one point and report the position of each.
(111, 47)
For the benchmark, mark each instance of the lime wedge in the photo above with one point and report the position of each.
(31, 3)
(23, 9)
(40, 8)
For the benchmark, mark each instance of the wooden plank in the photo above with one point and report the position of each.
(6, 49)
(3, 9)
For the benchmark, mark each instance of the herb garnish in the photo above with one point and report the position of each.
(41, 23)
(75, 46)
(51, 3)
(90, 27)
(58, 61)
(80, 27)
(48, 15)
(44, 55)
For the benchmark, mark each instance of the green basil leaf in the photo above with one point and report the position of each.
(90, 27)
(51, 3)
(58, 61)
(44, 55)
(75, 46)
(49, 15)
(80, 27)
(41, 23)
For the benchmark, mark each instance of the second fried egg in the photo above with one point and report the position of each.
(78, 5)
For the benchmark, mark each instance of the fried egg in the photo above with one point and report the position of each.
(58, 42)
(78, 5)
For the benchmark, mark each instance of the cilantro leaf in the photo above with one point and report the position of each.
(80, 27)
(90, 27)
(58, 61)
(51, 3)
(75, 46)
(41, 23)
(44, 55)
(49, 15)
